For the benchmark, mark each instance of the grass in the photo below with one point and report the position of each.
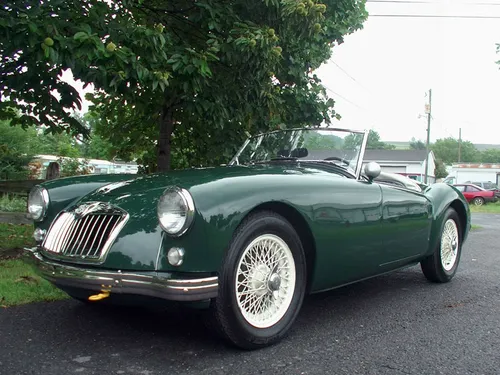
(488, 208)
(19, 283)
(12, 203)
(475, 227)
(15, 236)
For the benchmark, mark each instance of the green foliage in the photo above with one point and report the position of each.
(373, 142)
(15, 151)
(177, 75)
(316, 141)
(60, 144)
(73, 167)
(446, 150)
(440, 170)
(491, 155)
(12, 203)
(417, 144)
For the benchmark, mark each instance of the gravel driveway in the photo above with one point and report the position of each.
(393, 324)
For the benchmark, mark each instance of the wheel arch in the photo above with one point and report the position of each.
(458, 206)
(300, 225)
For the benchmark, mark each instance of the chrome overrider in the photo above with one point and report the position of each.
(152, 284)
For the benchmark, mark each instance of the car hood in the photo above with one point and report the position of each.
(190, 178)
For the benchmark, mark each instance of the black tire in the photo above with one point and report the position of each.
(224, 315)
(432, 266)
(478, 201)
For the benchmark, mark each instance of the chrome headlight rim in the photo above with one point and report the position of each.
(190, 209)
(45, 202)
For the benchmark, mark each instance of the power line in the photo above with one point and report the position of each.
(343, 97)
(350, 76)
(346, 73)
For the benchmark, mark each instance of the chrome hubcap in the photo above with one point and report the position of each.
(265, 281)
(449, 244)
(274, 282)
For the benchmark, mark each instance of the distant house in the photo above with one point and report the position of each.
(96, 166)
(410, 163)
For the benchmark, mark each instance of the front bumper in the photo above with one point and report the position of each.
(152, 284)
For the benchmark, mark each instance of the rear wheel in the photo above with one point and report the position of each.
(442, 265)
(478, 201)
(262, 283)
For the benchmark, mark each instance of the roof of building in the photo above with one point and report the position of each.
(416, 156)
(396, 156)
(476, 165)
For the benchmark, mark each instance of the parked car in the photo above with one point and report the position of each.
(292, 213)
(487, 185)
(476, 194)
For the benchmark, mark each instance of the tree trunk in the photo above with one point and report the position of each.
(166, 129)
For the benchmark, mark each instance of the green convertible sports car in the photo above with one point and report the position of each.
(294, 212)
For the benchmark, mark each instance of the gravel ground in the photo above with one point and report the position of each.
(393, 324)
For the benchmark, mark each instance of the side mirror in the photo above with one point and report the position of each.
(372, 170)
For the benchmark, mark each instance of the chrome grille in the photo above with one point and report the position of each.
(86, 233)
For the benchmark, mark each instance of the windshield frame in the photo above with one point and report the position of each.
(359, 164)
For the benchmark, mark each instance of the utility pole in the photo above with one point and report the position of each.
(428, 109)
(459, 143)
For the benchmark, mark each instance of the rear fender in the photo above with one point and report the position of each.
(442, 197)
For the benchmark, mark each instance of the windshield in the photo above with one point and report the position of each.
(337, 146)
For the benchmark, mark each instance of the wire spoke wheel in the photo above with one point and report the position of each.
(265, 281)
(449, 244)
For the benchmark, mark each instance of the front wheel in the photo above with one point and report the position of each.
(262, 282)
(442, 265)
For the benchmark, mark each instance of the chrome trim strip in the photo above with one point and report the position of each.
(359, 166)
(152, 284)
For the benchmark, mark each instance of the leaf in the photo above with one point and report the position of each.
(80, 36)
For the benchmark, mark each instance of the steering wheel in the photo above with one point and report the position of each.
(339, 159)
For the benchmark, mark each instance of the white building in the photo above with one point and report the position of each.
(96, 166)
(470, 172)
(410, 163)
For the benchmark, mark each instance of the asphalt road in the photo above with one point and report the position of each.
(393, 324)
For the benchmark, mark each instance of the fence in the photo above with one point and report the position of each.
(18, 187)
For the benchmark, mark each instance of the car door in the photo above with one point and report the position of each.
(406, 225)
(347, 220)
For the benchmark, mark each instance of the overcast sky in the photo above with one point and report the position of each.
(383, 71)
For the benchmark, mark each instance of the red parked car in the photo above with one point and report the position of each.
(475, 194)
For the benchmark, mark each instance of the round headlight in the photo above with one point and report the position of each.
(175, 211)
(38, 202)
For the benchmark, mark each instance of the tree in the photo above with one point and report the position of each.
(491, 155)
(417, 144)
(316, 141)
(170, 73)
(446, 150)
(440, 170)
(373, 142)
(15, 151)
